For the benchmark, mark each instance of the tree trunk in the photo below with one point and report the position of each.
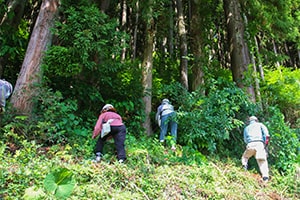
(239, 52)
(123, 27)
(197, 45)
(171, 29)
(147, 66)
(104, 5)
(257, 87)
(30, 73)
(183, 46)
(275, 52)
(260, 68)
(135, 31)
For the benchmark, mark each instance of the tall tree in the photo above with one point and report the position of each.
(147, 65)
(197, 37)
(183, 45)
(30, 73)
(239, 52)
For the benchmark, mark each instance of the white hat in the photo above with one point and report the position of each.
(253, 118)
(165, 101)
(107, 106)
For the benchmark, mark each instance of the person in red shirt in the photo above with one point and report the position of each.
(118, 132)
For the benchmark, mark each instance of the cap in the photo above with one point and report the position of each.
(165, 101)
(107, 106)
(253, 118)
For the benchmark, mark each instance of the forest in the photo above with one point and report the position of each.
(217, 61)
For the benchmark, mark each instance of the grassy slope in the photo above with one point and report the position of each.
(150, 173)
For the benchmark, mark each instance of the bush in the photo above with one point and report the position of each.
(284, 143)
(282, 88)
(206, 122)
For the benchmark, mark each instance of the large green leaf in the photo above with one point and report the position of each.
(60, 182)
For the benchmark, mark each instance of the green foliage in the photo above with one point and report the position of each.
(208, 121)
(151, 172)
(13, 40)
(60, 182)
(284, 143)
(54, 121)
(282, 88)
(85, 65)
(86, 42)
(57, 119)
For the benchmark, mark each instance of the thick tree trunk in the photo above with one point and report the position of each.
(239, 52)
(197, 45)
(183, 45)
(30, 73)
(147, 66)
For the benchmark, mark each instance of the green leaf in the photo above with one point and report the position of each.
(60, 182)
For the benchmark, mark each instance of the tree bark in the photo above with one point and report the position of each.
(183, 46)
(123, 26)
(30, 73)
(239, 52)
(171, 29)
(275, 52)
(147, 66)
(135, 31)
(260, 67)
(104, 5)
(197, 45)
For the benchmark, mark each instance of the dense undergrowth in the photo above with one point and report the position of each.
(48, 155)
(152, 171)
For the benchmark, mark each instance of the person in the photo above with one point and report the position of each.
(5, 91)
(256, 137)
(118, 133)
(165, 117)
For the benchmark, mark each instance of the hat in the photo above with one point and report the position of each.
(107, 106)
(165, 101)
(253, 118)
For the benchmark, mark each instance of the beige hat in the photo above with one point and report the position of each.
(253, 118)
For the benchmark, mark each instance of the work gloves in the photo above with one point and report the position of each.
(267, 140)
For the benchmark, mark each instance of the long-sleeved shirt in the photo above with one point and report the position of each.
(104, 117)
(5, 91)
(164, 109)
(255, 131)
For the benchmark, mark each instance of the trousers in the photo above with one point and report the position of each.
(258, 150)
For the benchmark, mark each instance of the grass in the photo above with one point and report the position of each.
(151, 172)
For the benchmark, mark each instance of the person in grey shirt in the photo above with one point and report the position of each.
(165, 117)
(256, 137)
(5, 91)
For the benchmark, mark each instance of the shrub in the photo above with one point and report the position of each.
(205, 122)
